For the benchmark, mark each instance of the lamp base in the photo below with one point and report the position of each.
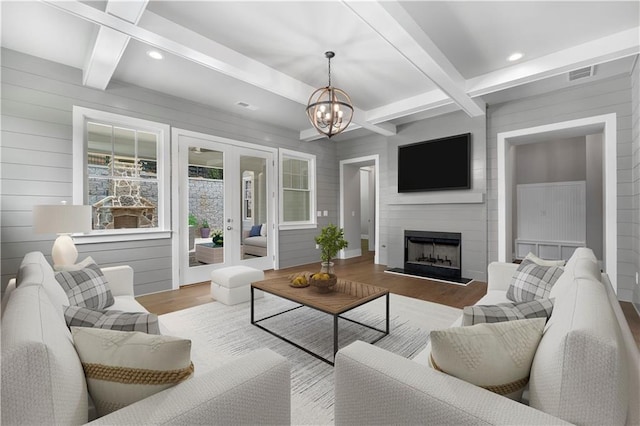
(64, 252)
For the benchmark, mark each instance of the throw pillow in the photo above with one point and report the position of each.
(478, 314)
(75, 267)
(496, 357)
(255, 231)
(263, 230)
(542, 262)
(87, 287)
(125, 367)
(145, 322)
(532, 281)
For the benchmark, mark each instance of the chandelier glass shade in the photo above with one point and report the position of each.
(329, 108)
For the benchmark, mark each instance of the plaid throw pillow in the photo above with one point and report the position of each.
(532, 281)
(86, 288)
(145, 322)
(540, 308)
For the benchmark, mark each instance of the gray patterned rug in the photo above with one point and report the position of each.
(220, 333)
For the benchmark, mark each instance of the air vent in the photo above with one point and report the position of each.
(246, 106)
(581, 73)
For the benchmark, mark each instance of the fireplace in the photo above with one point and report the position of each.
(433, 254)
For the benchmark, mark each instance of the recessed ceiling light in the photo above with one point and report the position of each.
(515, 56)
(155, 54)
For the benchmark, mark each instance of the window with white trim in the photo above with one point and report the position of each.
(121, 170)
(297, 189)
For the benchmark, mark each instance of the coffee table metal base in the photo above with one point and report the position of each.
(384, 332)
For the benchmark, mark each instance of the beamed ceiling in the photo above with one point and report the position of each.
(399, 61)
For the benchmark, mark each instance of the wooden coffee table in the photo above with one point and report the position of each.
(346, 296)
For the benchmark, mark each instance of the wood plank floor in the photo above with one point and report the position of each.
(357, 269)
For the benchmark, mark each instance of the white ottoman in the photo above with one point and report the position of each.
(232, 285)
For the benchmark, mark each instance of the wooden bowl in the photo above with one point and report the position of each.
(324, 286)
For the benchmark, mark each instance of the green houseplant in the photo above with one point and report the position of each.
(331, 241)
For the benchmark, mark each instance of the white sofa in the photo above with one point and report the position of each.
(255, 246)
(43, 380)
(586, 369)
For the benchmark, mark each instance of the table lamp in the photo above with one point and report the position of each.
(62, 219)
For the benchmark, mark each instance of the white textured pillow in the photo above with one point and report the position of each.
(75, 267)
(263, 230)
(494, 356)
(542, 262)
(124, 367)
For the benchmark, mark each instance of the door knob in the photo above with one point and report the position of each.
(229, 228)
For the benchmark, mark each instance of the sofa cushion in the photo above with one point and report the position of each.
(579, 372)
(478, 314)
(495, 356)
(86, 287)
(543, 262)
(35, 270)
(532, 281)
(77, 316)
(42, 378)
(124, 367)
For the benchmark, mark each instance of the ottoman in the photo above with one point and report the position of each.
(232, 285)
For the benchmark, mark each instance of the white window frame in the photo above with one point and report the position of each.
(311, 159)
(81, 116)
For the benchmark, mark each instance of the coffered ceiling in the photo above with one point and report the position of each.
(399, 61)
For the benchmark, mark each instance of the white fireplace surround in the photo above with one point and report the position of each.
(604, 124)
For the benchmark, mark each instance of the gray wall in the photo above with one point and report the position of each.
(635, 216)
(585, 100)
(551, 161)
(433, 212)
(37, 101)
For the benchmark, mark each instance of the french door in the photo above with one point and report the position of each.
(226, 207)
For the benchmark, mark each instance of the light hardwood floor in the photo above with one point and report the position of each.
(357, 269)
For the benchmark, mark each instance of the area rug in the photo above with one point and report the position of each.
(220, 333)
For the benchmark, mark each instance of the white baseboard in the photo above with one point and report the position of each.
(352, 253)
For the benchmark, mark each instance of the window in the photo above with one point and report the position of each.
(247, 195)
(297, 190)
(120, 170)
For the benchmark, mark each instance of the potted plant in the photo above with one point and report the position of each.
(204, 229)
(217, 237)
(331, 241)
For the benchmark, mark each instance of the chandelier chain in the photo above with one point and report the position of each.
(329, 71)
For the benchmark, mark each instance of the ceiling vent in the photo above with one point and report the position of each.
(581, 73)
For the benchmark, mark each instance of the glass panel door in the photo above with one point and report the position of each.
(224, 207)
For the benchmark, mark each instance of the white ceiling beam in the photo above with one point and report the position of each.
(394, 24)
(402, 108)
(616, 46)
(110, 44)
(198, 49)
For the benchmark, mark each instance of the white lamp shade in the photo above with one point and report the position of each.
(61, 219)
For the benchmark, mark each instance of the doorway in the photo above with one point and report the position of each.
(359, 204)
(222, 210)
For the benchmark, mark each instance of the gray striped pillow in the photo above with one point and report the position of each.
(532, 281)
(145, 322)
(540, 308)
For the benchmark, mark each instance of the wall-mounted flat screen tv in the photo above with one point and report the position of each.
(435, 165)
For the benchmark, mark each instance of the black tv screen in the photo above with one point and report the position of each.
(435, 165)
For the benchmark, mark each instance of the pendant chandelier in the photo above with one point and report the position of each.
(329, 108)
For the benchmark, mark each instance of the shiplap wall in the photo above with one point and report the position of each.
(470, 219)
(635, 108)
(36, 161)
(589, 99)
